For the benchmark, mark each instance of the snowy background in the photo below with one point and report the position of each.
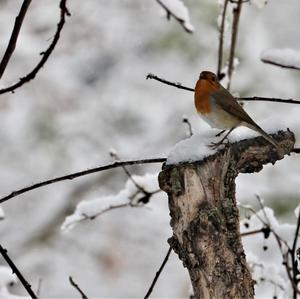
(92, 96)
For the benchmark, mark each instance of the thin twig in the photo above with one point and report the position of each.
(127, 172)
(280, 241)
(179, 20)
(262, 99)
(236, 1)
(79, 174)
(178, 85)
(45, 54)
(234, 34)
(147, 194)
(75, 285)
(15, 270)
(39, 287)
(186, 121)
(293, 254)
(14, 36)
(294, 247)
(253, 232)
(274, 100)
(109, 208)
(158, 273)
(221, 41)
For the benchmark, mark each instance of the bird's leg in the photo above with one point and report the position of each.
(220, 133)
(215, 145)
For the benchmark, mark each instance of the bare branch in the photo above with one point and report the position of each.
(45, 55)
(274, 100)
(261, 99)
(234, 34)
(15, 270)
(253, 232)
(14, 36)
(221, 41)
(79, 174)
(75, 285)
(158, 273)
(178, 85)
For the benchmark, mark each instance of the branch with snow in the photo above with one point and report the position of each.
(275, 250)
(136, 193)
(179, 12)
(45, 54)
(286, 58)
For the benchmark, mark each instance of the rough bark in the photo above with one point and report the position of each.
(205, 217)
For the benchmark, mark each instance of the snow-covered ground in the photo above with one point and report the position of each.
(91, 96)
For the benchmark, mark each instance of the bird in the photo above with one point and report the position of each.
(216, 105)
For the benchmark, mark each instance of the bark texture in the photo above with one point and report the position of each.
(205, 217)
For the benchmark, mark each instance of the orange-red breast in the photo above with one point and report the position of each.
(221, 110)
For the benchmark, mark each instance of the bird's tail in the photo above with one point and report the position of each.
(267, 137)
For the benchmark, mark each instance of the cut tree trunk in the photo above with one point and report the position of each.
(205, 217)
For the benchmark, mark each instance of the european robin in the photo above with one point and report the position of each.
(221, 110)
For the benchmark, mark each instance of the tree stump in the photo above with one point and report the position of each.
(205, 217)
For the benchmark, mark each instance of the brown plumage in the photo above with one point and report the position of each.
(221, 110)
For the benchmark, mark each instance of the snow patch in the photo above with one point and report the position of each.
(197, 147)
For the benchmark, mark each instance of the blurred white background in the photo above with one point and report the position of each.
(92, 96)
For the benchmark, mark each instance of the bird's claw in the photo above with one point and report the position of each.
(215, 145)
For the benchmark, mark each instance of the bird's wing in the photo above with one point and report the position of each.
(226, 101)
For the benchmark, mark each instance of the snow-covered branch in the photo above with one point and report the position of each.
(286, 58)
(136, 193)
(179, 12)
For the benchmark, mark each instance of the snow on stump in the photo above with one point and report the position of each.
(205, 217)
